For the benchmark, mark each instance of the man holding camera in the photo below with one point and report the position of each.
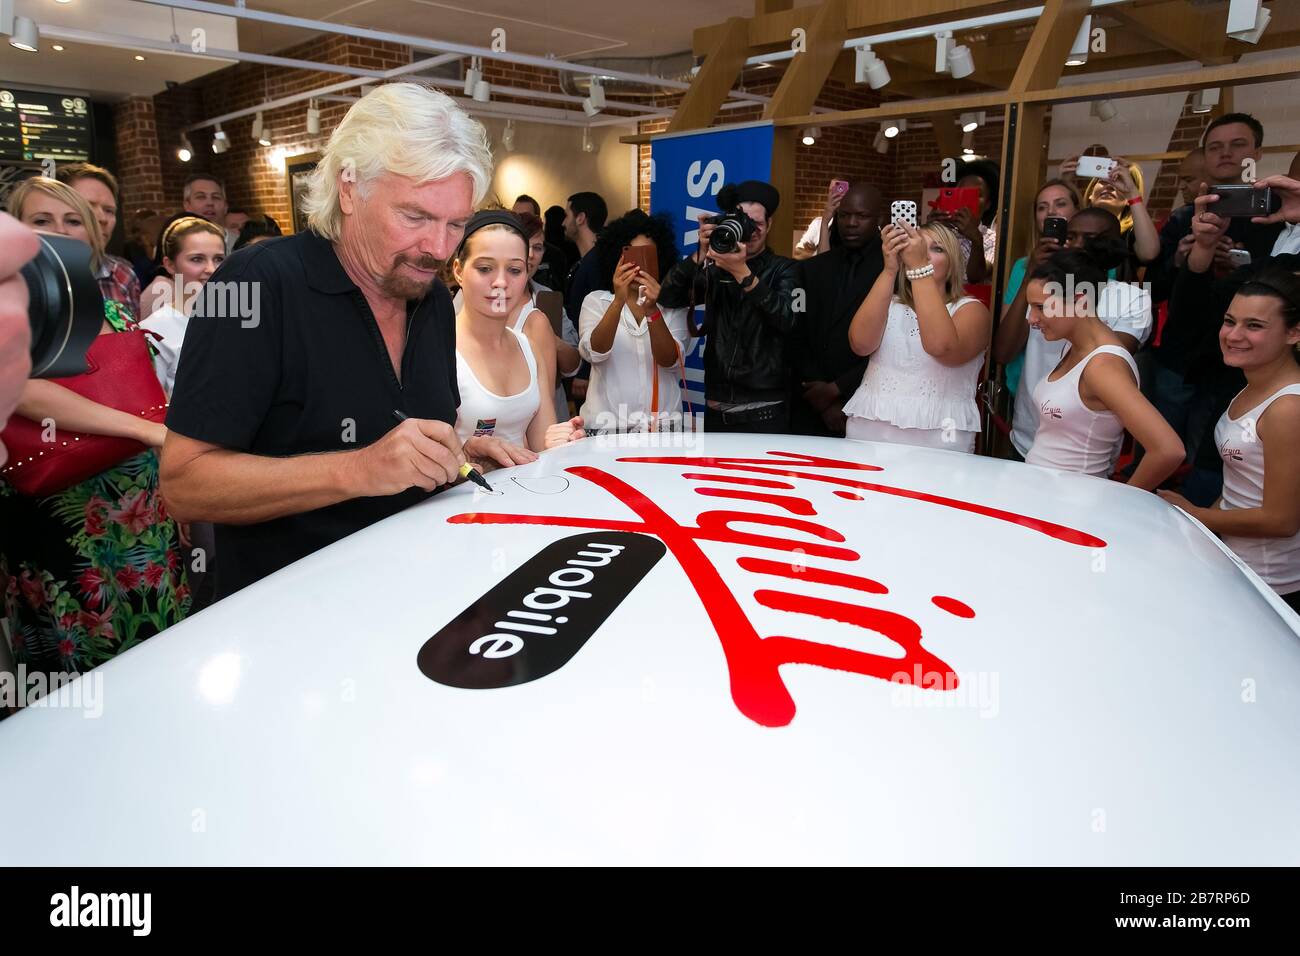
(748, 295)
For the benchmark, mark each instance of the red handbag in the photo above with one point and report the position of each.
(119, 374)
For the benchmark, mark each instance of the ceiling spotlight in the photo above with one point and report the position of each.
(1204, 101)
(587, 145)
(960, 62)
(139, 58)
(968, 143)
(185, 152)
(26, 35)
(810, 135)
(473, 75)
(597, 93)
(313, 119)
(942, 45)
(260, 132)
(1104, 110)
(880, 143)
(508, 136)
(57, 47)
(1079, 51)
(894, 127)
(970, 122)
(1247, 20)
(482, 91)
(869, 68)
(220, 141)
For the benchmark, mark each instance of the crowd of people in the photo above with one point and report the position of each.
(414, 327)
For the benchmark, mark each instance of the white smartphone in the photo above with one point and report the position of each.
(1239, 257)
(1095, 167)
(902, 210)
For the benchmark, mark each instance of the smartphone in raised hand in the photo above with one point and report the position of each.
(902, 210)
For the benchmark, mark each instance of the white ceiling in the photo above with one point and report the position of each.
(565, 28)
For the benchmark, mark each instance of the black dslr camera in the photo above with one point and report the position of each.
(732, 230)
(66, 309)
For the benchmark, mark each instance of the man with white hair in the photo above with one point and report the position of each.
(283, 427)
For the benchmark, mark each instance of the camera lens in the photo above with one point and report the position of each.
(66, 309)
(726, 237)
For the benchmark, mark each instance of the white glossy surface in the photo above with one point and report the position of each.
(289, 724)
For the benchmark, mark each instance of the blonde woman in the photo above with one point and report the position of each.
(1121, 195)
(926, 341)
(96, 568)
(192, 248)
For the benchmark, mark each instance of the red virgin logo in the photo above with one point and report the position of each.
(754, 660)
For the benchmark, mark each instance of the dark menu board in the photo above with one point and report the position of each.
(36, 126)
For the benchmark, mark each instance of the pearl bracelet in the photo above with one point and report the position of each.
(921, 273)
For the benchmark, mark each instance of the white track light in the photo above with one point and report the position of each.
(1247, 20)
(960, 62)
(220, 141)
(869, 68)
(313, 119)
(26, 35)
(1079, 51)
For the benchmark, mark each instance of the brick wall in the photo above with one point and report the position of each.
(139, 175)
(1186, 136)
(253, 174)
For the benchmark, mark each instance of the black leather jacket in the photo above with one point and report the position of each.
(746, 355)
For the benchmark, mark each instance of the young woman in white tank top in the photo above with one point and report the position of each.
(498, 373)
(1092, 395)
(926, 343)
(1258, 437)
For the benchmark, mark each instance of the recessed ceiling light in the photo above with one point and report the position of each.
(139, 57)
(57, 47)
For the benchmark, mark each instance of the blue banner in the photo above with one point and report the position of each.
(686, 172)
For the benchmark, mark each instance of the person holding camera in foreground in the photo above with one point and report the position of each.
(748, 293)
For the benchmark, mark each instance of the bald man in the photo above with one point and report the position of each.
(827, 373)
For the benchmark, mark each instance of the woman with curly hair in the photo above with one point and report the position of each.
(633, 345)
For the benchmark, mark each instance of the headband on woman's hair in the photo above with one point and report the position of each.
(491, 217)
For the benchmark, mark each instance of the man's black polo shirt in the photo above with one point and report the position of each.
(309, 373)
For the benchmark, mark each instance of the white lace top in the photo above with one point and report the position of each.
(905, 386)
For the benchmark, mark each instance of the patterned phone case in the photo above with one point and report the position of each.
(903, 210)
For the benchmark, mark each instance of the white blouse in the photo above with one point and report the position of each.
(168, 328)
(621, 389)
(905, 386)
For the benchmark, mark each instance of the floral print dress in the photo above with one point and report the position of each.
(93, 570)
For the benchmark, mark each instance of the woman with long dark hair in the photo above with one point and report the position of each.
(1091, 397)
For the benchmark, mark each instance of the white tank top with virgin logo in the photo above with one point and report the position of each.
(1276, 560)
(1071, 436)
(501, 416)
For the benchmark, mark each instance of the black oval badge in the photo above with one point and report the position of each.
(534, 621)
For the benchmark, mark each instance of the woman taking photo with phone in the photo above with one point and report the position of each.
(1120, 194)
(1091, 396)
(1056, 200)
(94, 567)
(634, 345)
(926, 341)
(1258, 437)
